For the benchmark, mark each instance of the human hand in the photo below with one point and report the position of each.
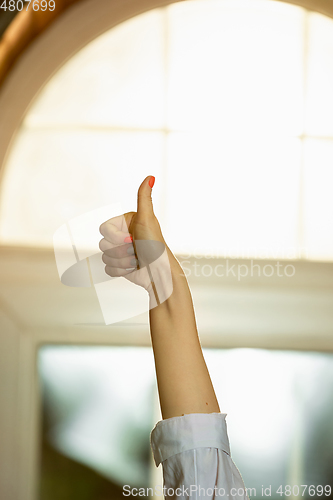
(133, 240)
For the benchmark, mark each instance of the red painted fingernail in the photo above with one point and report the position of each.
(151, 181)
(128, 239)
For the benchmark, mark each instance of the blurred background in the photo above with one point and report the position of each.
(229, 104)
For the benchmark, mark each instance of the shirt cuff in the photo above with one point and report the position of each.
(195, 430)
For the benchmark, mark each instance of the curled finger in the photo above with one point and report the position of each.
(116, 272)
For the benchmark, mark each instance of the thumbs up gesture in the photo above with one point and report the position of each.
(132, 241)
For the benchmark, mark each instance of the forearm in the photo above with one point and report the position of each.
(183, 379)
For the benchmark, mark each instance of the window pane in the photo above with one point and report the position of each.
(98, 407)
(279, 407)
(318, 199)
(319, 112)
(236, 65)
(117, 80)
(233, 195)
(52, 176)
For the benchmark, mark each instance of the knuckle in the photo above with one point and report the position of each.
(109, 271)
(101, 228)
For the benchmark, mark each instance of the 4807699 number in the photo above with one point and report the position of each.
(304, 490)
(18, 5)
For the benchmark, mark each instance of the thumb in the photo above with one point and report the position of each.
(145, 203)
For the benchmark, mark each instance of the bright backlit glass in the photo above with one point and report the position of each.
(221, 100)
(99, 407)
(319, 110)
(236, 66)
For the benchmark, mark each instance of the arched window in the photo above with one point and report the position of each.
(228, 103)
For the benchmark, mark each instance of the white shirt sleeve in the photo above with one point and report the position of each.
(194, 452)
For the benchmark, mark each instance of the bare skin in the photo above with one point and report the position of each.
(183, 380)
